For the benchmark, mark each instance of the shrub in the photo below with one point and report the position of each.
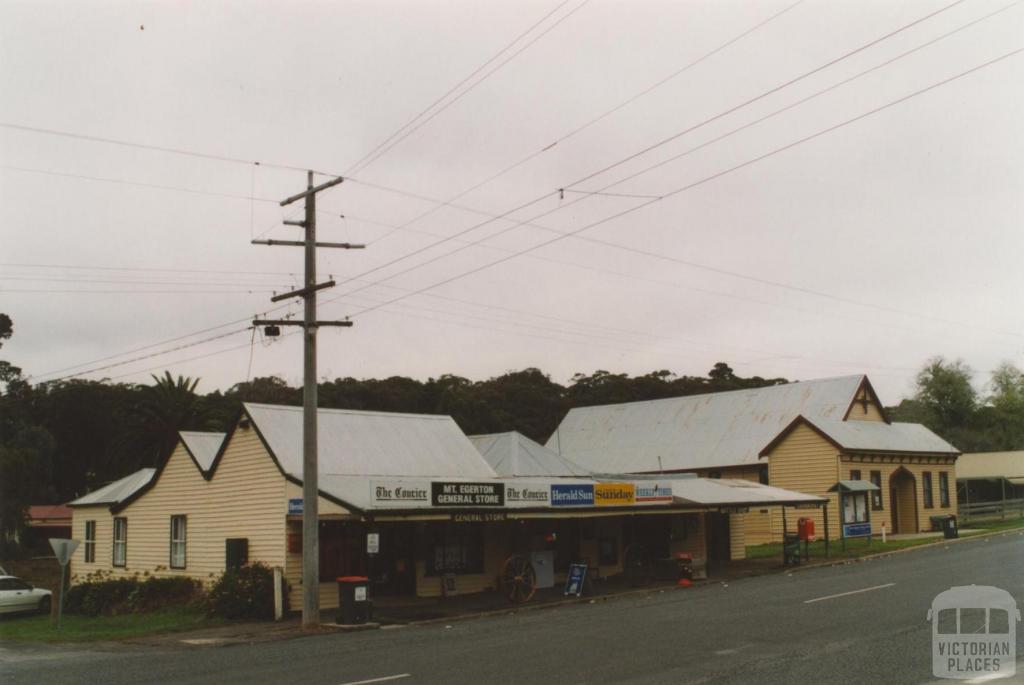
(106, 597)
(159, 593)
(129, 595)
(246, 592)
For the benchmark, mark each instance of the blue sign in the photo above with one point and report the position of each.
(295, 506)
(856, 530)
(572, 495)
(574, 583)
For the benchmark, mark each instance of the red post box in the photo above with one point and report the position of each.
(805, 527)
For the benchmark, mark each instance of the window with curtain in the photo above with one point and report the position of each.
(178, 537)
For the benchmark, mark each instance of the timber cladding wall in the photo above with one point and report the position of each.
(246, 498)
(805, 462)
(100, 514)
(917, 515)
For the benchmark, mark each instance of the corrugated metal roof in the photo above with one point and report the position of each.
(698, 431)
(203, 446)
(854, 486)
(118, 491)
(884, 437)
(734, 492)
(364, 443)
(514, 454)
(990, 465)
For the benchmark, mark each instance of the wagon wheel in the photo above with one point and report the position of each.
(518, 579)
(637, 564)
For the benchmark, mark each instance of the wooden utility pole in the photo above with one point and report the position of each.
(310, 478)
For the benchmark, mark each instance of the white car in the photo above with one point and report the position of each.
(16, 595)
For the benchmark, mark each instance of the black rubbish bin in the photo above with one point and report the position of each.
(791, 549)
(949, 527)
(354, 604)
(945, 523)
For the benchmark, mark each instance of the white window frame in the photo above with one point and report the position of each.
(179, 539)
(90, 542)
(120, 542)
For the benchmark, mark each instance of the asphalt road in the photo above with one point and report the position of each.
(759, 630)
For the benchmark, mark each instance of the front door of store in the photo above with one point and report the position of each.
(718, 536)
(394, 568)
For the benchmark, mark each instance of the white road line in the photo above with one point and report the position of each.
(379, 680)
(851, 592)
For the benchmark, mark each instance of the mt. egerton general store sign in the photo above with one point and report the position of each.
(411, 493)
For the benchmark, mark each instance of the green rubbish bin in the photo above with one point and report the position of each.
(354, 604)
(945, 523)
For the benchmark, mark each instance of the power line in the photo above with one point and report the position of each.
(375, 155)
(458, 85)
(262, 199)
(154, 186)
(147, 356)
(79, 291)
(689, 263)
(579, 129)
(708, 179)
(146, 146)
(84, 267)
(654, 146)
(55, 279)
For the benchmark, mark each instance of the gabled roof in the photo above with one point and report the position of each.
(202, 447)
(514, 454)
(366, 443)
(698, 431)
(871, 436)
(118, 491)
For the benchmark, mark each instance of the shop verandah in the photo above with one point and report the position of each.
(428, 555)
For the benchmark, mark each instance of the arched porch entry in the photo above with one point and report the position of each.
(903, 501)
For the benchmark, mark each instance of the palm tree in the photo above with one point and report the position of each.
(153, 420)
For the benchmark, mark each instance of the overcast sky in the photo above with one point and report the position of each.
(867, 249)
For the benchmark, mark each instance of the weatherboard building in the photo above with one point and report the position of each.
(451, 511)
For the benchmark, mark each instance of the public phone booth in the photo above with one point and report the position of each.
(854, 512)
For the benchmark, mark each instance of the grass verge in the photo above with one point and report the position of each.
(855, 547)
(87, 629)
(859, 547)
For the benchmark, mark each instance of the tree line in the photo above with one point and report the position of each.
(60, 440)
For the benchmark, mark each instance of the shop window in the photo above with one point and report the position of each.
(90, 542)
(341, 550)
(943, 489)
(926, 489)
(876, 496)
(455, 548)
(120, 541)
(178, 534)
(679, 527)
(608, 552)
